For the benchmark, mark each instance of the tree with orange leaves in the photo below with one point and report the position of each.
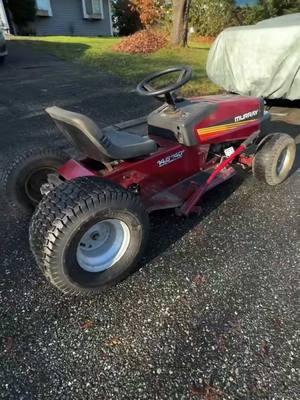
(150, 11)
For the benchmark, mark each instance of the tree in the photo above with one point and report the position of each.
(179, 33)
(150, 11)
(210, 17)
(274, 8)
(126, 18)
(268, 9)
(22, 11)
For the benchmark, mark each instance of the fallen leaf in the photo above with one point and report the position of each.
(8, 344)
(87, 324)
(115, 341)
(207, 392)
(144, 41)
(199, 279)
(196, 390)
(184, 299)
(205, 39)
(277, 324)
(221, 343)
(264, 348)
(212, 393)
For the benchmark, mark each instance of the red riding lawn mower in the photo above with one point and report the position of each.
(91, 224)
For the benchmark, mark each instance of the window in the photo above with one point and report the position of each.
(43, 8)
(97, 6)
(92, 9)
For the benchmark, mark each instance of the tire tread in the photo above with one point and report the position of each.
(267, 156)
(13, 160)
(61, 207)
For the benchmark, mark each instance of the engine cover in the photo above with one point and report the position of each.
(235, 118)
(210, 119)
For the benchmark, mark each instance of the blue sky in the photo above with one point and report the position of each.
(243, 2)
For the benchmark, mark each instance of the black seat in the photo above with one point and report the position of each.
(107, 145)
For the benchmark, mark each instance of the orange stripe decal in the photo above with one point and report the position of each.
(218, 129)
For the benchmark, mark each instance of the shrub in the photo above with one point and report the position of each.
(210, 17)
(126, 19)
(268, 9)
(22, 11)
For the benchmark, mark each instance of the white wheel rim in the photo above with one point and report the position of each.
(284, 162)
(103, 245)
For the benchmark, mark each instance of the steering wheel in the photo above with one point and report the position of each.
(145, 88)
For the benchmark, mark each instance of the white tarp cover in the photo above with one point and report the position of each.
(259, 60)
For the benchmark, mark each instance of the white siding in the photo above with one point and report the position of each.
(68, 19)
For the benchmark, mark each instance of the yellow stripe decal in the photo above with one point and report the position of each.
(221, 128)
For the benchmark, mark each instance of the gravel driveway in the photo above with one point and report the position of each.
(212, 312)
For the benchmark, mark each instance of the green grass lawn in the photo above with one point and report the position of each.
(99, 52)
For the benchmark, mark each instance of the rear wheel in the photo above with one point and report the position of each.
(24, 172)
(274, 160)
(88, 234)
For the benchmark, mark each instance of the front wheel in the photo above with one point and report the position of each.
(274, 160)
(88, 234)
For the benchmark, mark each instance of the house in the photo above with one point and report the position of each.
(71, 17)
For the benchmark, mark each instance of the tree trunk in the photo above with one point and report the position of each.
(179, 34)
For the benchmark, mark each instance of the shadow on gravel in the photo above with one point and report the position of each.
(68, 51)
(166, 227)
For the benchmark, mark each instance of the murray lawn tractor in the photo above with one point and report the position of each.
(91, 224)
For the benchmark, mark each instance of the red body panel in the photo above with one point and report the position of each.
(171, 164)
(177, 175)
(235, 118)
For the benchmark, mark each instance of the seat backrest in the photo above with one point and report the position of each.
(82, 132)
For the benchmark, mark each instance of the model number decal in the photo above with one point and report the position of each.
(247, 115)
(170, 158)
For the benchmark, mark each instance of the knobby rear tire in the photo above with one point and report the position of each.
(66, 213)
(18, 169)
